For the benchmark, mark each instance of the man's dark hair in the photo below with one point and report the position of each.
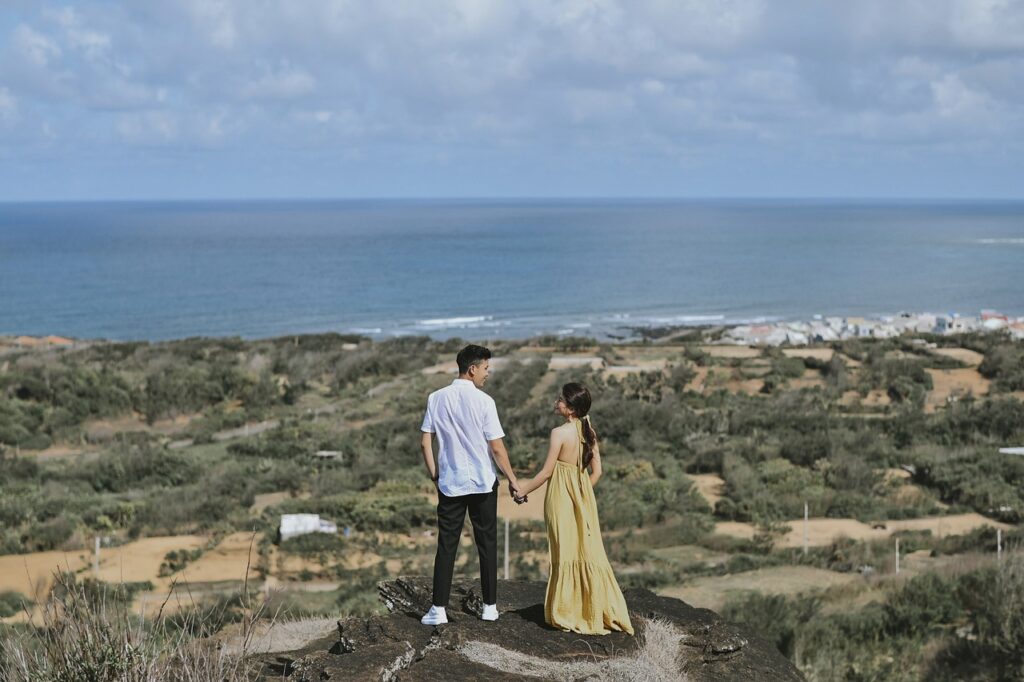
(471, 355)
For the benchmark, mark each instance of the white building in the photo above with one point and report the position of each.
(294, 525)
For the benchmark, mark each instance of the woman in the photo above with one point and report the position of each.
(582, 593)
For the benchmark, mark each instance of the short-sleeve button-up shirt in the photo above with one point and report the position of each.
(464, 419)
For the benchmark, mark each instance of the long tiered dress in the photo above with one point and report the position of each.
(582, 595)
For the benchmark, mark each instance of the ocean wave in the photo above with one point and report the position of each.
(685, 319)
(365, 330)
(1019, 241)
(465, 321)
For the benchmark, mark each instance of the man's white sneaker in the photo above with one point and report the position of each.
(490, 612)
(435, 616)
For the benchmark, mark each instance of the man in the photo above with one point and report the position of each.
(469, 435)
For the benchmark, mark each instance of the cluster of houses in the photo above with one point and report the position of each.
(822, 329)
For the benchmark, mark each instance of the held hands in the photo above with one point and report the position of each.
(515, 492)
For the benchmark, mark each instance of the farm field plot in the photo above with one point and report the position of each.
(823, 531)
(713, 591)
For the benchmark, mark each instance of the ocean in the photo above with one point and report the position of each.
(493, 269)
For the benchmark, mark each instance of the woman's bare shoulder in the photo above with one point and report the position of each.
(563, 431)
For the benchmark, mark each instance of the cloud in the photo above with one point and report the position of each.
(36, 48)
(285, 83)
(660, 82)
(8, 105)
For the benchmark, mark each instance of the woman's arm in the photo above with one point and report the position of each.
(595, 466)
(528, 486)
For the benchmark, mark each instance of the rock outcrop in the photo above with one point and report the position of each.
(673, 640)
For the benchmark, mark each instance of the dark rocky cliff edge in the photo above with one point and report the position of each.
(674, 642)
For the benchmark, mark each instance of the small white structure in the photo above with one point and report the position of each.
(1012, 451)
(294, 525)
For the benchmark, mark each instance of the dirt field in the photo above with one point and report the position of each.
(545, 389)
(140, 560)
(948, 383)
(32, 574)
(713, 591)
(571, 361)
(815, 353)
(698, 381)
(709, 486)
(825, 531)
(105, 429)
(683, 555)
(226, 561)
(636, 367)
(964, 355)
(874, 398)
(811, 378)
(265, 500)
(731, 351)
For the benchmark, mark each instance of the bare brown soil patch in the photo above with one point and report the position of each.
(105, 429)
(736, 529)
(964, 355)
(731, 351)
(226, 561)
(698, 381)
(712, 592)
(558, 362)
(825, 531)
(875, 398)
(636, 367)
(32, 574)
(748, 386)
(684, 555)
(140, 560)
(545, 387)
(709, 486)
(950, 384)
(61, 451)
(811, 378)
(896, 474)
(824, 354)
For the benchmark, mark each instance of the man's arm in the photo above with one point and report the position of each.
(500, 455)
(427, 446)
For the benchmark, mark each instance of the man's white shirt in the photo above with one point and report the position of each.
(463, 418)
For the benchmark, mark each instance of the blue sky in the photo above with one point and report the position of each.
(103, 99)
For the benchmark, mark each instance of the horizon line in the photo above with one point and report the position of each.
(518, 198)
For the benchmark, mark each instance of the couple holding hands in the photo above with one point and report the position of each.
(582, 595)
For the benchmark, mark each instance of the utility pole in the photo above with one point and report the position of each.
(806, 512)
(506, 548)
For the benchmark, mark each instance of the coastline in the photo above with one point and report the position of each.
(624, 329)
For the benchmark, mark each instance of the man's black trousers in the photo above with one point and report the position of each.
(451, 515)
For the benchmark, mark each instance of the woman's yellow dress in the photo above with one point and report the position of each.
(582, 595)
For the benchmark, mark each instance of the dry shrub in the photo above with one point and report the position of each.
(88, 635)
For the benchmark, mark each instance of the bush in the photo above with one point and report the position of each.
(12, 602)
(994, 598)
(924, 604)
(314, 544)
(139, 466)
(177, 559)
(774, 617)
(52, 534)
(1004, 365)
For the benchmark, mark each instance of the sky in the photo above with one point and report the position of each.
(164, 99)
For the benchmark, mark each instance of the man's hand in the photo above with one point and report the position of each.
(515, 492)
